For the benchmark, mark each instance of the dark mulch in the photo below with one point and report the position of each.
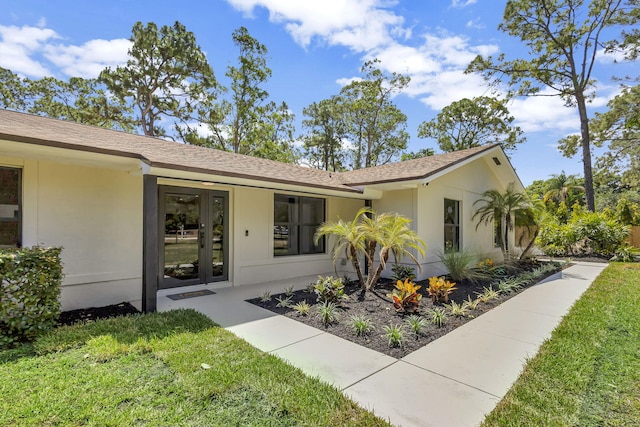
(377, 307)
(94, 313)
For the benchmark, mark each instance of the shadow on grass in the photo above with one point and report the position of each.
(125, 330)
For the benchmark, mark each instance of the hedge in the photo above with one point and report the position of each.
(30, 280)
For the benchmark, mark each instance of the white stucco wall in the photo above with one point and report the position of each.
(254, 258)
(466, 185)
(96, 216)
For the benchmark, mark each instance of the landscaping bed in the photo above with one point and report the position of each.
(95, 313)
(378, 309)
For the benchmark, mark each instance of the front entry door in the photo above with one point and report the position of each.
(194, 229)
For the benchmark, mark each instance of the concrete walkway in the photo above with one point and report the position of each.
(453, 381)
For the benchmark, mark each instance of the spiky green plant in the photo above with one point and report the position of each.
(360, 325)
(471, 304)
(457, 310)
(488, 294)
(394, 334)
(283, 302)
(438, 316)
(266, 296)
(302, 308)
(416, 323)
(328, 313)
(462, 264)
(288, 291)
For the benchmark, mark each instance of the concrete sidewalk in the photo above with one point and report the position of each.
(453, 381)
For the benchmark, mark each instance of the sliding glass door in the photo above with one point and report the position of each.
(194, 236)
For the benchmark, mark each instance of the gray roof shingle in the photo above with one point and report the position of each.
(160, 153)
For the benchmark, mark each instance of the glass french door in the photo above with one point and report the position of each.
(194, 236)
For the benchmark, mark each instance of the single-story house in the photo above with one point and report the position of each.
(137, 215)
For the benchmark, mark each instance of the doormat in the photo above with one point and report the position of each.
(192, 294)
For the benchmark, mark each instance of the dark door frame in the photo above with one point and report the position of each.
(205, 241)
(153, 236)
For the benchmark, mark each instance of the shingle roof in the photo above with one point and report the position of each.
(409, 169)
(178, 156)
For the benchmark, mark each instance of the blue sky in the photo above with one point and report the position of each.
(314, 48)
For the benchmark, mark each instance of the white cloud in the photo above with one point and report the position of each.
(542, 113)
(438, 91)
(359, 24)
(35, 51)
(604, 57)
(19, 44)
(462, 3)
(436, 63)
(90, 58)
(436, 67)
(476, 24)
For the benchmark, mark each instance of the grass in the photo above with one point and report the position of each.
(174, 368)
(588, 372)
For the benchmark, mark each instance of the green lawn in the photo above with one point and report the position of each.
(588, 372)
(175, 368)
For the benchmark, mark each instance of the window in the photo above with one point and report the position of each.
(295, 220)
(451, 224)
(10, 207)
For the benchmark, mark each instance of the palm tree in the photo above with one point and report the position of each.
(349, 238)
(364, 233)
(392, 233)
(559, 186)
(531, 217)
(501, 207)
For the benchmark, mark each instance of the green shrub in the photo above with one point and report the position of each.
(284, 301)
(329, 289)
(30, 281)
(585, 233)
(626, 253)
(461, 264)
(403, 272)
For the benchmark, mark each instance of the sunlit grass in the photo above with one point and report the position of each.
(588, 372)
(175, 368)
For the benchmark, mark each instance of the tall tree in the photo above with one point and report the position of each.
(248, 123)
(326, 131)
(376, 126)
(167, 77)
(13, 91)
(471, 123)
(563, 39)
(79, 100)
(423, 152)
(619, 129)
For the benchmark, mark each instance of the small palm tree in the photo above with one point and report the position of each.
(495, 205)
(559, 186)
(365, 233)
(349, 238)
(531, 217)
(392, 233)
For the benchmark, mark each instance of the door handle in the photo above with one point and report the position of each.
(201, 239)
